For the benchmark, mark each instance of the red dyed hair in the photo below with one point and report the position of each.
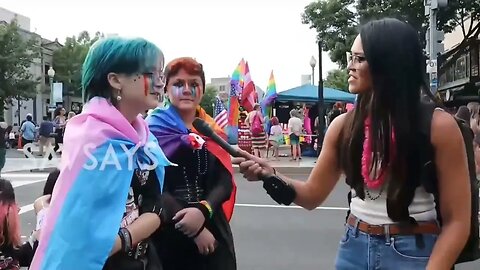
(190, 65)
(9, 219)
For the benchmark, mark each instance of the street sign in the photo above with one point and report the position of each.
(432, 66)
(434, 85)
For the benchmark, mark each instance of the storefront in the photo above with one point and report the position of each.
(459, 79)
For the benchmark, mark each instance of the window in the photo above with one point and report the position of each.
(222, 89)
(461, 68)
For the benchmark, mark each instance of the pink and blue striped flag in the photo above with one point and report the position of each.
(101, 152)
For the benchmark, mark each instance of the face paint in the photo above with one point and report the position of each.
(148, 84)
(179, 87)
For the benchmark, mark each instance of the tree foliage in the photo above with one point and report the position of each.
(209, 99)
(337, 79)
(18, 52)
(68, 61)
(463, 13)
(336, 25)
(337, 21)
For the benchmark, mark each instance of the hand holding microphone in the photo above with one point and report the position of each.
(252, 167)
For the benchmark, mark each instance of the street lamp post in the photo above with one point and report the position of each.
(313, 63)
(51, 74)
(321, 105)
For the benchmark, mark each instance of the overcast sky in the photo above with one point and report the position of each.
(267, 33)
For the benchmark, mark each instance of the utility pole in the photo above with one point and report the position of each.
(321, 101)
(434, 39)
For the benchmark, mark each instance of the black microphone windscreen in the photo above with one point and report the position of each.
(202, 127)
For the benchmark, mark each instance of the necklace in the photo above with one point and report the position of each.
(367, 156)
(196, 190)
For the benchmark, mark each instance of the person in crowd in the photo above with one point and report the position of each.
(256, 122)
(59, 120)
(101, 215)
(199, 193)
(295, 128)
(46, 136)
(27, 133)
(392, 221)
(13, 254)
(275, 137)
(463, 114)
(41, 204)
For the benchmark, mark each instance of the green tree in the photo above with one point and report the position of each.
(336, 24)
(209, 99)
(68, 61)
(337, 21)
(337, 79)
(18, 51)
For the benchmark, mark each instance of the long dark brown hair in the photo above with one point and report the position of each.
(397, 67)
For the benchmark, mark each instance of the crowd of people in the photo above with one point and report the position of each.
(167, 201)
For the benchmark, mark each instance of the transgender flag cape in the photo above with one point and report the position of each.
(171, 133)
(100, 153)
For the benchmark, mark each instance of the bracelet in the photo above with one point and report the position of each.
(199, 231)
(126, 239)
(209, 208)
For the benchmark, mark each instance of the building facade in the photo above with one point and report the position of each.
(222, 85)
(458, 68)
(37, 106)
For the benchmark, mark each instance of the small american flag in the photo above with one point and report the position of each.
(221, 116)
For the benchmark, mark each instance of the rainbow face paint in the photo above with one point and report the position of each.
(147, 84)
(193, 87)
(152, 82)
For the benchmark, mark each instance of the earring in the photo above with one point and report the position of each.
(119, 97)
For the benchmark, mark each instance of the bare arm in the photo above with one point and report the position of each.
(454, 190)
(140, 229)
(325, 174)
(322, 179)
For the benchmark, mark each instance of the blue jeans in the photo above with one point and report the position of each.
(361, 251)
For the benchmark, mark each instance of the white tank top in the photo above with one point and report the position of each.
(374, 212)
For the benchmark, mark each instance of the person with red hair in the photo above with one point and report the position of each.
(13, 254)
(199, 193)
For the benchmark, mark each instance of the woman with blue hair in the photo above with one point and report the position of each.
(106, 204)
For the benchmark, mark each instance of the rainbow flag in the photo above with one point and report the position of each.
(269, 96)
(234, 102)
(101, 151)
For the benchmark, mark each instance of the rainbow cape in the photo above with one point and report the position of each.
(101, 151)
(171, 132)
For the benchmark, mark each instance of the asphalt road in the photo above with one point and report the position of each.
(267, 236)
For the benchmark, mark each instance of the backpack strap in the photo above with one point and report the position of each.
(427, 153)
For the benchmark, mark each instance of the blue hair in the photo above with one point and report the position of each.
(118, 55)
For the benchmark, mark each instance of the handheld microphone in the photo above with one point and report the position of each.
(277, 188)
(204, 129)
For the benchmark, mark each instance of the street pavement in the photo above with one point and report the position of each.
(267, 236)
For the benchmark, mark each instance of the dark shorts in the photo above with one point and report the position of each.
(294, 139)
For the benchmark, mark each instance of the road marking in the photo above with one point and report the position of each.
(25, 175)
(289, 206)
(26, 208)
(16, 184)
